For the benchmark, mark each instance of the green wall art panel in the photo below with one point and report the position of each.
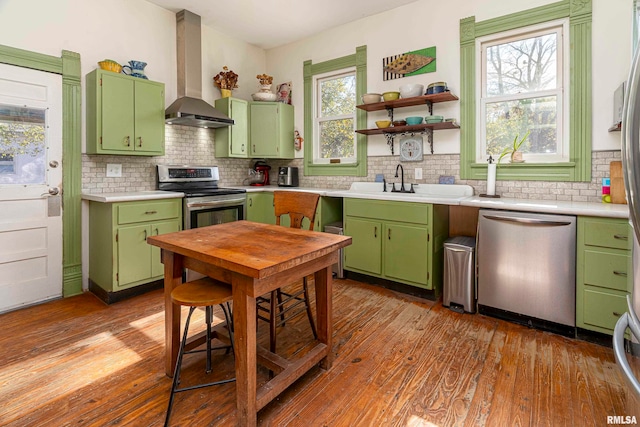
(409, 64)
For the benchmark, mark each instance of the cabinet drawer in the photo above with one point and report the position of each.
(148, 211)
(606, 269)
(417, 213)
(607, 233)
(603, 309)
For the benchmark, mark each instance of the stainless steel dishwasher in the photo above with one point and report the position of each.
(526, 268)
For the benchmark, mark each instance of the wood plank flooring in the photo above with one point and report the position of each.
(399, 361)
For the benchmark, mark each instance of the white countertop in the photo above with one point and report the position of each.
(272, 188)
(131, 196)
(608, 210)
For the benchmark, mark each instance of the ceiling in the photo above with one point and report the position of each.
(272, 23)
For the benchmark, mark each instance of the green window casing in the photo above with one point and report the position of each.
(578, 168)
(358, 60)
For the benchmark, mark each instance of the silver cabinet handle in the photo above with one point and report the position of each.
(127, 140)
(250, 202)
(375, 232)
(615, 313)
(389, 233)
(150, 212)
(145, 235)
(528, 221)
(140, 142)
(620, 273)
(620, 237)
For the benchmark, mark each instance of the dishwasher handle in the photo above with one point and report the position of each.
(530, 221)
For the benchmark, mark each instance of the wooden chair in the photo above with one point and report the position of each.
(279, 306)
(205, 292)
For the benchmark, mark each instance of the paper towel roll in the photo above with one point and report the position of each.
(491, 179)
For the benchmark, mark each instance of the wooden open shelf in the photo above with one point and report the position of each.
(409, 102)
(410, 128)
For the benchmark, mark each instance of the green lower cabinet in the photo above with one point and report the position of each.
(119, 255)
(603, 272)
(260, 207)
(398, 241)
(406, 249)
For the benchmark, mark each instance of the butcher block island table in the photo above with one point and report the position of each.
(255, 259)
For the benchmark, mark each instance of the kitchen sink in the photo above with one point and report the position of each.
(425, 193)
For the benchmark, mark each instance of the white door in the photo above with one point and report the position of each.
(30, 182)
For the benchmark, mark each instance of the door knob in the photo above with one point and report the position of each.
(54, 164)
(54, 191)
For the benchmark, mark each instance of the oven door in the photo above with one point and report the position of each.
(212, 210)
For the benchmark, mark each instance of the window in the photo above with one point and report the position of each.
(495, 105)
(335, 117)
(522, 92)
(22, 145)
(331, 91)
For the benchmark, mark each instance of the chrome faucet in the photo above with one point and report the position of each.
(402, 190)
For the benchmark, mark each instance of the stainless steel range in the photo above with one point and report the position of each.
(204, 202)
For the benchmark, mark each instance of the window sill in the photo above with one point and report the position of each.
(564, 171)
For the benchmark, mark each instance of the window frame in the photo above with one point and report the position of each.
(561, 91)
(317, 118)
(578, 167)
(359, 168)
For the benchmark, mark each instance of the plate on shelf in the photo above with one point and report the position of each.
(411, 149)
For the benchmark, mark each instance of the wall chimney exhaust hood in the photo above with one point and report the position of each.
(189, 109)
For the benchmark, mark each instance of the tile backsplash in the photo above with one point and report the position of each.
(188, 145)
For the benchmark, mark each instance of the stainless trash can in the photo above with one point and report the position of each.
(337, 228)
(459, 292)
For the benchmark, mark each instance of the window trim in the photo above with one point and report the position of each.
(578, 168)
(359, 168)
(318, 119)
(561, 29)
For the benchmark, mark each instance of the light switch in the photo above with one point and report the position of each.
(418, 173)
(114, 170)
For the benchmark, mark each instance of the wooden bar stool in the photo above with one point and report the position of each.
(278, 306)
(205, 292)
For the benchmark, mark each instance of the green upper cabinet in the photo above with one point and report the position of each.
(125, 115)
(233, 141)
(271, 130)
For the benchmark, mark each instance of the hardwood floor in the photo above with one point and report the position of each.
(399, 361)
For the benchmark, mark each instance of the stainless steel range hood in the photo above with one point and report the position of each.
(189, 109)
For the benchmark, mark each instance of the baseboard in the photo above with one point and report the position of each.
(394, 286)
(113, 297)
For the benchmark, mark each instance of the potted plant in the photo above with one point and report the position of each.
(514, 149)
(226, 81)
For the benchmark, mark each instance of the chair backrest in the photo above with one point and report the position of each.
(296, 204)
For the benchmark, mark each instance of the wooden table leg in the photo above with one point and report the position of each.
(172, 278)
(324, 311)
(244, 325)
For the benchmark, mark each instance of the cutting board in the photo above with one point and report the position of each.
(617, 183)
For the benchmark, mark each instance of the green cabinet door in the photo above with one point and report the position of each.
(157, 268)
(133, 254)
(260, 208)
(271, 130)
(365, 252)
(406, 253)
(233, 141)
(117, 113)
(149, 117)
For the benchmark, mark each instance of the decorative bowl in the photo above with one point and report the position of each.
(437, 87)
(390, 96)
(110, 65)
(413, 120)
(399, 123)
(411, 90)
(433, 119)
(371, 98)
(383, 123)
(264, 96)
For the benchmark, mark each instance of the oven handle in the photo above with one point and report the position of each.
(216, 204)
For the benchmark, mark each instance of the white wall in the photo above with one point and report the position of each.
(123, 30)
(436, 23)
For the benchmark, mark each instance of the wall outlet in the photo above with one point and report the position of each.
(418, 173)
(114, 170)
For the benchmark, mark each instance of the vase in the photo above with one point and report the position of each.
(516, 157)
(226, 93)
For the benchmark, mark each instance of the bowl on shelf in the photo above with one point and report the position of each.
(383, 123)
(433, 119)
(399, 123)
(436, 87)
(410, 90)
(110, 65)
(413, 120)
(390, 96)
(264, 96)
(371, 98)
